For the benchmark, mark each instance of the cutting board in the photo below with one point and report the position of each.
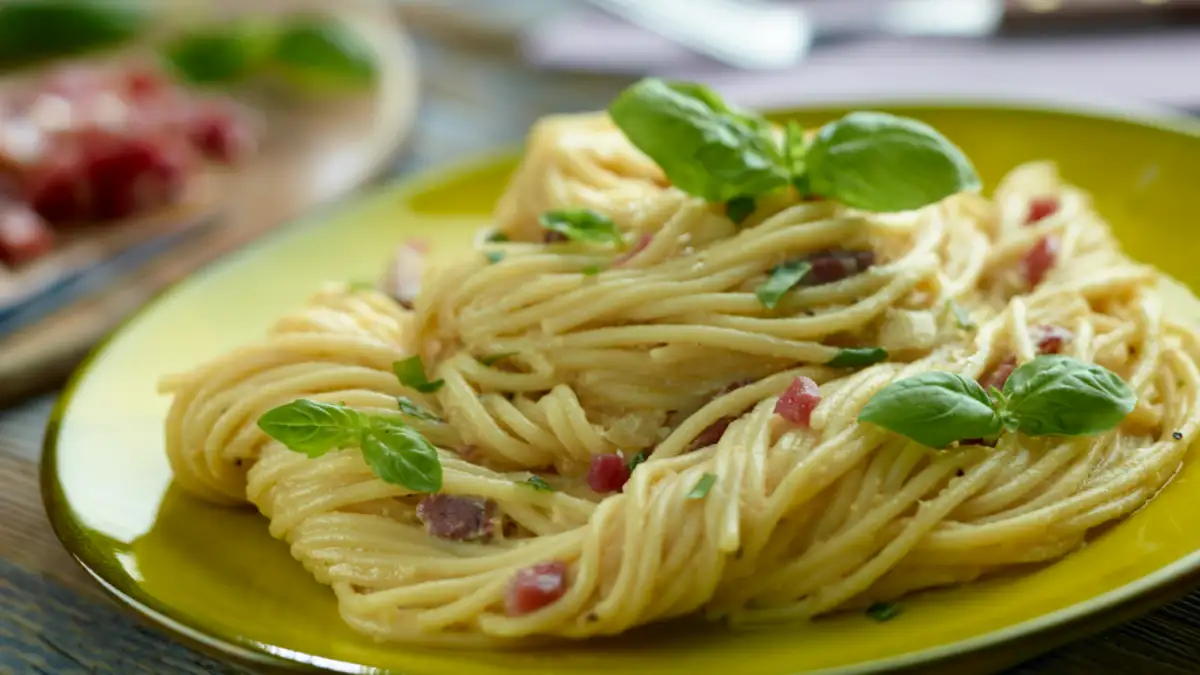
(312, 153)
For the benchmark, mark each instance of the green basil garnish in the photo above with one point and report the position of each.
(395, 452)
(413, 410)
(411, 374)
(636, 460)
(739, 209)
(494, 257)
(934, 409)
(590, 270)
(1050, 395)
(1058, 395)
(583, 225)
(780, 280)
(538, 483)
(883, 611)
(700, 491)
(961, 318)
(880, 162)
(857, 357)
(705, 147)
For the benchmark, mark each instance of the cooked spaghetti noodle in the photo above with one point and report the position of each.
(667, 352)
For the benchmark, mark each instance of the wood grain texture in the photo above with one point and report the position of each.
(52, 622)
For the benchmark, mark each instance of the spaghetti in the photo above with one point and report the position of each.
(555, 368)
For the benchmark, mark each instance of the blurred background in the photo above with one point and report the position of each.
(143, 139)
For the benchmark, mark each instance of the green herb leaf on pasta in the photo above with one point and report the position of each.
(636, 460)
(496, 237)
(312, 428)
(411, 374)
(857, 357)
(584, 225)
(880, 162)
(883, 611)
(361, 286)
(781, 280)
(934, 409)
(705, 147)
(1059, 395)
(793, 154)
(494, 257)
(494, 358)
(702, 487)
(739, 208)
(413, 410)
(961, 318)
(538, 483)
(591, 270)
(399, 455)
(317, 54)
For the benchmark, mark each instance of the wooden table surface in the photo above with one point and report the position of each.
(53, 620)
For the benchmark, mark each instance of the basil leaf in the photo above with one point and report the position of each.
(961, 318)
(361, 286)
(494, 257)
(411, 374)
(411, 409)
(1059, 395)
(739, 208)
(311, 427)
(538, 483)
(582, 225)
(934, 409)
(397, 454)
(793, 154)
(857, 357)
(781, 280)
(637, 459)
(494, 358)
(883, 611)
(317, 55)
(880, 162)
(590, 270)
(705, 147)
(496, 237)
(700, 491)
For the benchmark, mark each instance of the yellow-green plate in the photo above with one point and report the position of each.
(215, 577)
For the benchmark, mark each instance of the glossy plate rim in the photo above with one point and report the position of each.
(1071, 622)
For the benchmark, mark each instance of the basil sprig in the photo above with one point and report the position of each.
(583, 225)
(857, 357)
(411, 374)
(780, 280)
(705, 147)
(396, 453)
(867, 160)
(415, 411)
(1051, 395)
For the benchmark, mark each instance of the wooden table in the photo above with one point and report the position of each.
(53, 620)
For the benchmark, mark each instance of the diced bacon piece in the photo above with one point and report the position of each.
(402, 280)
(1041, 207)
(57, 187)
(535, 587)
(711, 435)
(219, 131)
(797, 403)
(607, 473)
(997, 376)
(132, 175)
(640, 246)
(1050, 339)
(833, 265)
(23, 234)
(1040, 258)
(458, 518)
